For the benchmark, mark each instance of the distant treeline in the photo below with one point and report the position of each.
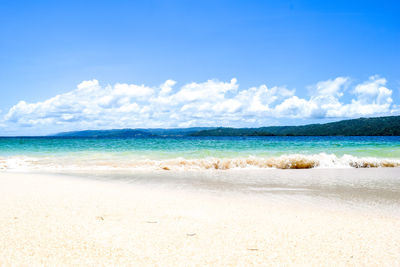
(379, 126)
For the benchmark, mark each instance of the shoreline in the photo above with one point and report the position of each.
(346, 185)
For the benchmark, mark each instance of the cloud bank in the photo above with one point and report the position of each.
(210, 103)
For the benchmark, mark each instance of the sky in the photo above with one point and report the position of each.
(75, 65)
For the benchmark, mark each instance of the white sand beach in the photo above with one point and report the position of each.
(53, 220)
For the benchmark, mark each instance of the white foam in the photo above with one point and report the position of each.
(290, 161)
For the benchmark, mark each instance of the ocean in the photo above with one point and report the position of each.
(198, 153)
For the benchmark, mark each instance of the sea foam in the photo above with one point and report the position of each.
(290, 161)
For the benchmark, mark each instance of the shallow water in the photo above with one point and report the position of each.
(45, 153)
(372, 190)
(384, 181)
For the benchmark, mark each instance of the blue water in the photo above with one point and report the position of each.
(130, 151)
(376, 146)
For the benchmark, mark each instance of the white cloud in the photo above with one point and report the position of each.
(374, 90)
(213, 102)
(230, 105)
(295, 107)
(332, 87)
(260, 99)
(372, 97)
(210, 91)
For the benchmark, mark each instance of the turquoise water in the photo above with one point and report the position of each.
(131, 152)
(388, 147)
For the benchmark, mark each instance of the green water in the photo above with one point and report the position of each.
(198, 153)
(192, 148)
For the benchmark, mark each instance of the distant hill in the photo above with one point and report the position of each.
(379, 126)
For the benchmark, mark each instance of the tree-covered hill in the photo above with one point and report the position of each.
(380, 126)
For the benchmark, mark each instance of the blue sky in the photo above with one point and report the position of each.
(48, 48)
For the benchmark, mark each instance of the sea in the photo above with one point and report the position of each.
(198, 153)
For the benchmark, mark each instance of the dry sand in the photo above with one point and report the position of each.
(49, 220)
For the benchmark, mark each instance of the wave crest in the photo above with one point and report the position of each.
(292, 161)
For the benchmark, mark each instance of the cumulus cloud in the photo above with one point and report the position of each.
(210, 103)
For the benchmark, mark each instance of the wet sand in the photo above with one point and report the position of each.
(53, 220)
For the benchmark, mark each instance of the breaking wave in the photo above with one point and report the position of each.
(292, 161)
